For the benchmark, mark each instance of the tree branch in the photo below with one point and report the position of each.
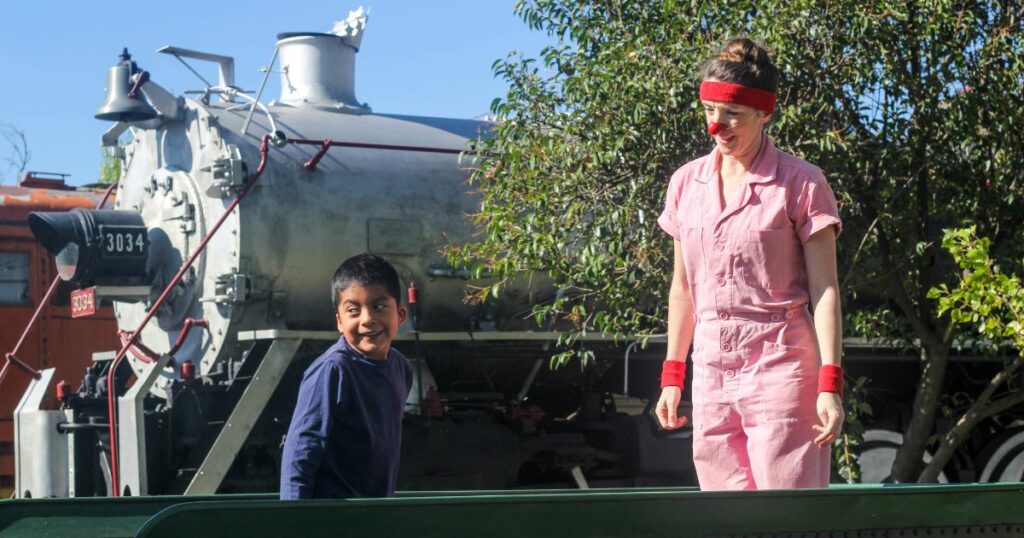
(18, 155)
(981, 409)
(899, 293)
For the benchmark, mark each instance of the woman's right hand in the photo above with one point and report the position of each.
(667, 409)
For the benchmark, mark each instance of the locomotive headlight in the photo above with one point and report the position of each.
(67, 261)
(94, 246)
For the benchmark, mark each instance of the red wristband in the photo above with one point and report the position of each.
(673, 372)
(830, 379)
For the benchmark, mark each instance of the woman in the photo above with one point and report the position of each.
(754, 232)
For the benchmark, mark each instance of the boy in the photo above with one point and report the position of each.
(346, 432)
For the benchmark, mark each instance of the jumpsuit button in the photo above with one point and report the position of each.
(723, 316)
(790, 314)
(726, 347)
(730, 373)
(776, 316)
(721, 281)
(719, 247)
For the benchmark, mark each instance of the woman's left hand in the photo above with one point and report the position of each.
(830, 412)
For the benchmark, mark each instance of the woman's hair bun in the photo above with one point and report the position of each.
(741, 61)
(746, 51)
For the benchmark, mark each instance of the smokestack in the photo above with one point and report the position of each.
(318, 71)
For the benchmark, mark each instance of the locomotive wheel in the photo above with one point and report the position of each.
(878, 453)
(1003, 457)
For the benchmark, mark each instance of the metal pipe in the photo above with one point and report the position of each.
(315, 160)
(259, 93)
(366, 145)
(138, 350)
(413, 298)
(11, 359)
(264, 148)
(525, 389)
(194, 72)
(71, 427)
(625, 368)
(185, 329)
(12, 355)
(234, 92)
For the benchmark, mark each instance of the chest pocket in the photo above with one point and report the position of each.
(690, 239)
(770, 259)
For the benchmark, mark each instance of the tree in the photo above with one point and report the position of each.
(110, 168)
(914, 110)
(17, 156)
(992, 304)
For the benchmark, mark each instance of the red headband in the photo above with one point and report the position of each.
(726, 92)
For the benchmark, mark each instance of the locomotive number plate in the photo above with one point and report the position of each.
(83, 302)
(123, 241)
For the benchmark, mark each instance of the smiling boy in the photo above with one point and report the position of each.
(346, 433)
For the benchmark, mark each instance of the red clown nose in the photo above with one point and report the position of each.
(715, 128)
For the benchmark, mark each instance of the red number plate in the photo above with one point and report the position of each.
(83, 302)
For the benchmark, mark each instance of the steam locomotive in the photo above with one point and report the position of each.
(230, 218)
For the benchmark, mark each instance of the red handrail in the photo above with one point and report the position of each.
(185, 329)
(327, 144)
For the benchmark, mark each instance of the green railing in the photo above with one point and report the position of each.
(956, 510)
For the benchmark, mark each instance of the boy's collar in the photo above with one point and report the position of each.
(345, 346)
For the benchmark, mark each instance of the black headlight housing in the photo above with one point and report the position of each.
(94, 246)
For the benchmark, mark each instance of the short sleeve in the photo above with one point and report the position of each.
(667, 220)
(816, 208)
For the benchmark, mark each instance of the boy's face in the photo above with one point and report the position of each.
(369, 317)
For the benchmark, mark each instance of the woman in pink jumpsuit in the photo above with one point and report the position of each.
(754, 233)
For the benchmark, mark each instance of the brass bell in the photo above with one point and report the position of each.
(120, 106)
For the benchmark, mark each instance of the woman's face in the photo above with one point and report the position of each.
(742, 136)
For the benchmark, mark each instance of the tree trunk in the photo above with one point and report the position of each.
(909, 459)
(982, 408)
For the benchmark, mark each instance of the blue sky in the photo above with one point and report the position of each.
(417, 57)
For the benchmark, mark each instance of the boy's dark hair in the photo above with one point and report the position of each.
(365, 269)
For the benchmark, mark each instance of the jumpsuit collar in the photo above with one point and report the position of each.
(763, 170)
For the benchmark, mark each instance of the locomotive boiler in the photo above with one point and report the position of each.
(231, 216)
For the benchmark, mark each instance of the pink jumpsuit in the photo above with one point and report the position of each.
(755, 353)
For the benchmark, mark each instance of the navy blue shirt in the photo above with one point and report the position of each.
(346, 433)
